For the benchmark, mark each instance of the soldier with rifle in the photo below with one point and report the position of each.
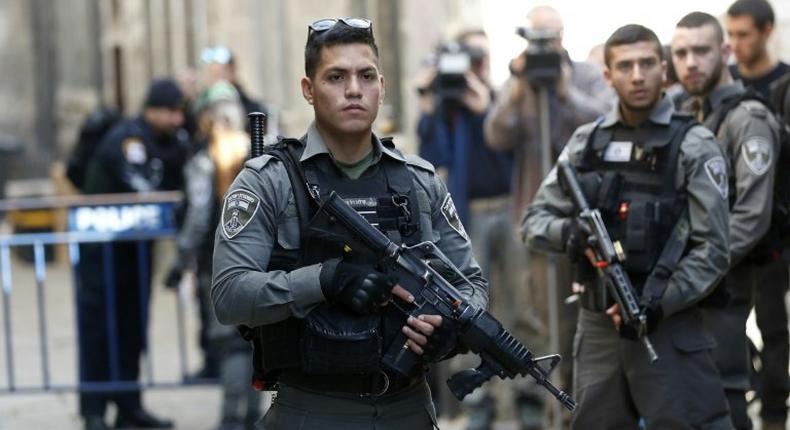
(343, 312)
(646, 225)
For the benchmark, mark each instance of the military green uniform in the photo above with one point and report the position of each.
(614, 382)
(748, 134)
(260, 217)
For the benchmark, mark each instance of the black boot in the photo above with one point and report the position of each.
(140, 419)
(93, 422)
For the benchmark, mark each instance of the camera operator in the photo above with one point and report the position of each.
(576, 94)
(455, 97)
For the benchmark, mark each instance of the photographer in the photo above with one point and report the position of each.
(577, 94)
(454, 99)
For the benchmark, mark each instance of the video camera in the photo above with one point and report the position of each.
(452, 63)
(544, 62)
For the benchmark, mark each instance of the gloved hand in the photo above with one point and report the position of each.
(654, 314)
(174, 274)
(576, 235)
(359, 287)
(442, 343)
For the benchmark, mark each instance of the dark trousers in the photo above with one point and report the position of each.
(130, 281)
(728, 327)
(615, 384)
(771, 316)
(295, 408)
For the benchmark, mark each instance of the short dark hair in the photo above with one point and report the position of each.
(760, 10)
(699, 19)
(340, 34)
(627, 35)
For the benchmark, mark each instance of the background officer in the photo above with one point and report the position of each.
(749, 25)
(630, 153)
(748, 134)
(208, 174)
(146, 153)
(288, 279)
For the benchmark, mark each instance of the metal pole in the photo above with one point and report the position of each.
(5, 265)
(74, 258)
(111, 312)
(41, 273)
(144, 286)
(182, 343)
(547, 162)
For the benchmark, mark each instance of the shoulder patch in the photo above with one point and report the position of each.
(451, 215)
(134, 150)
(258, 163)
(757, 154)
(416, 161)
(716, 169)
(237, 211)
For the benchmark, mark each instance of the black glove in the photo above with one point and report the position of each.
(359, 287)
(443, 343)
(174, 274)
(654, 314)
(576, 235)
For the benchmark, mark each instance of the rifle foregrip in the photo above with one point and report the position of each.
(464, 382)
(257, 122)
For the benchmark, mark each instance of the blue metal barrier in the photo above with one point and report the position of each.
(103, 220)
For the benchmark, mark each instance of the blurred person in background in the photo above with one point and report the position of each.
(455, 96)
(142, 154)
(225, 147)
(577, 95)
(749, 134)
(221, 66)
(749, 25)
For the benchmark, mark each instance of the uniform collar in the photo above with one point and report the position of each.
(661, 113)
(718, 96)
(315, 146)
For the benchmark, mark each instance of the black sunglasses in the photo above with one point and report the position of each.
(325, 24)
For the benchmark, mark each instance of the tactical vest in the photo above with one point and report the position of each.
(637, 198)
(331, 340)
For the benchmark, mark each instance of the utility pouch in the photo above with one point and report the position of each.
(640, 237)
(335, 342)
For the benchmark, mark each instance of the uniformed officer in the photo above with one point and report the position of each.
(323, 319)
(750, 25)
(646, 169)
(748, 133)
(146, 153)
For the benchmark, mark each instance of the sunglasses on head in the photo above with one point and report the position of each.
(323, 25)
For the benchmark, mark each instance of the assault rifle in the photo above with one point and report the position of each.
(609, 257)
(501, 354)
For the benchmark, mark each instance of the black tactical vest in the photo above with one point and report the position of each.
(330, 340)
(636, 197)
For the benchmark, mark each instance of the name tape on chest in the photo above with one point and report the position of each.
(451, 215)
(757, 155)
(716, 168)
(618, 152)
(237, 211)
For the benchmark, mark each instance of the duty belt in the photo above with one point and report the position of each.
(367, 385)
